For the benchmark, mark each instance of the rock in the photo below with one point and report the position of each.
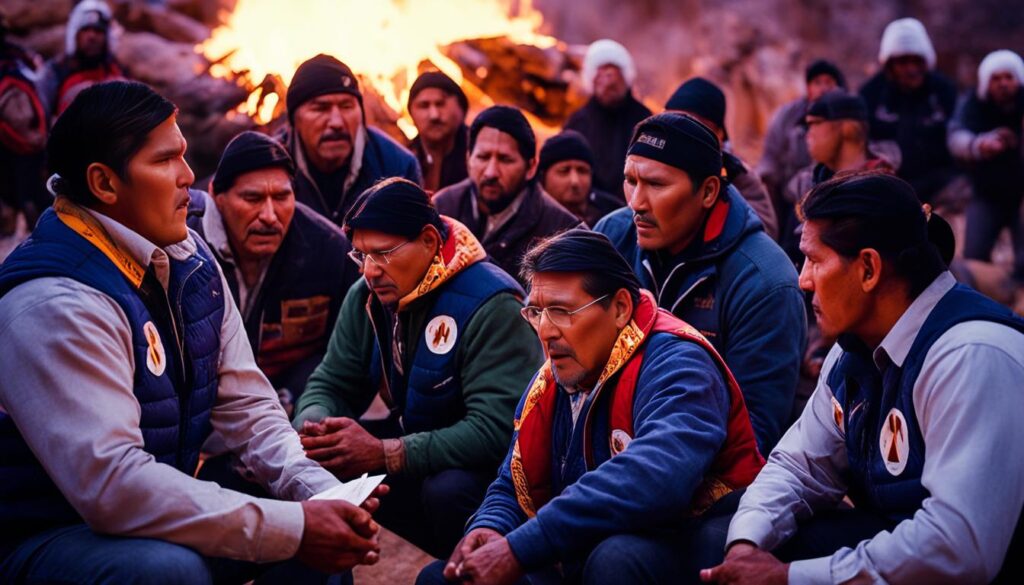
(171, 25)
(157, 61)
(23, 15)
(48, 42)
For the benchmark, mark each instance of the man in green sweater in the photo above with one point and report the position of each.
(435, 330)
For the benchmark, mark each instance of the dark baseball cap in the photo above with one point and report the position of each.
(839, 105)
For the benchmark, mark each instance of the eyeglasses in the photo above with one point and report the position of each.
(557, 316)
(381, 258)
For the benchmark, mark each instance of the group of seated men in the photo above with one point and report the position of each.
(550, 403)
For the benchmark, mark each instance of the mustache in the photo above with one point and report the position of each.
(335, 135)
(556, 347)
(492, 182)
(260, 231)
(645, 218)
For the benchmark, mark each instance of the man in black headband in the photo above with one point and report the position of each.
(646, 424)
(695, 242)
(501, 201)
(286, 265)
(438, 107)
(337, 156)
(435, 329)
(915, 407)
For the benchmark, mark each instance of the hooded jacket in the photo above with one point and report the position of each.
(67, 75)
(738, 288)
(375, 156)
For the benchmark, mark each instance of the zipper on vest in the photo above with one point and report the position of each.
(185, 396)
(386, 386)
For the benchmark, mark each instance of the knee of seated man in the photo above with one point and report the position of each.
(161, 563)
(432, 574)
(617, 559)
(451, 487)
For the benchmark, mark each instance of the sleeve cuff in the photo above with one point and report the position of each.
(811, 571)
(282, 531)
(750, 526)
(531, 546)
(394, 456)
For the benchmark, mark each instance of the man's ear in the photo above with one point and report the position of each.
(709, 191)
(622, 305)
(531, 167)
(869, 263)
(431, 238)
(102, 182)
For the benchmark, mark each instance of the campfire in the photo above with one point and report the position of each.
(493, 48)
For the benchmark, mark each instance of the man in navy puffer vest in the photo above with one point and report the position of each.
(915, 417)
(122, 355)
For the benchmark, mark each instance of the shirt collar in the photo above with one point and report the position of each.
(142, 250)
(896, 344)
(213, 231)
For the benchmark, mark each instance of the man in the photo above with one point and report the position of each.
(286, 265)
(337, 156)
(122, 355)
(438, 108)
(910, 103)
(433, 327)
(837, 140)
(703, 100)
(985, 135)
(23, 126)
(501, 202)
(88, 56)
(608, 118)
(703, 252)
(646, 424)
(785, 150)
(566, 171)
(916, 402)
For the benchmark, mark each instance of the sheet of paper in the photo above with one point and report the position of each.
(353, 492)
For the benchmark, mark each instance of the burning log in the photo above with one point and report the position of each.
(537, 80)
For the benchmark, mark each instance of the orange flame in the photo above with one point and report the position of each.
(384, 41)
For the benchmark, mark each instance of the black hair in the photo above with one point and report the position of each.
(588, 253)
(107, 123)
(876, 210)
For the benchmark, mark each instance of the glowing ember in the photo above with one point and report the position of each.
(384, 41)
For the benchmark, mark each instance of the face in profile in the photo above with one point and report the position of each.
(668, 209)
(152, 197)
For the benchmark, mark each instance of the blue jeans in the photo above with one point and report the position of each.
(76, 554)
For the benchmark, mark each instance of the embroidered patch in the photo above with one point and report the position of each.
(837, 415)
(441, 334)
(894, 442)
(619, 440)
(156, 358)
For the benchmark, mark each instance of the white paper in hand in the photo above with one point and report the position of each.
(354, 492)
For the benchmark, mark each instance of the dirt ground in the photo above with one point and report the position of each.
(399, 563)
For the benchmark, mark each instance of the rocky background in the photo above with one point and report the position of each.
(755, 49)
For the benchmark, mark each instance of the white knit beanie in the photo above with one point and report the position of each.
(996, 62)
(82, 16)
(906, 36)
(607, 52)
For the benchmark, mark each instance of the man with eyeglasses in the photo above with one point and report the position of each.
(284, 264)
(632, 430)
(433, 328)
